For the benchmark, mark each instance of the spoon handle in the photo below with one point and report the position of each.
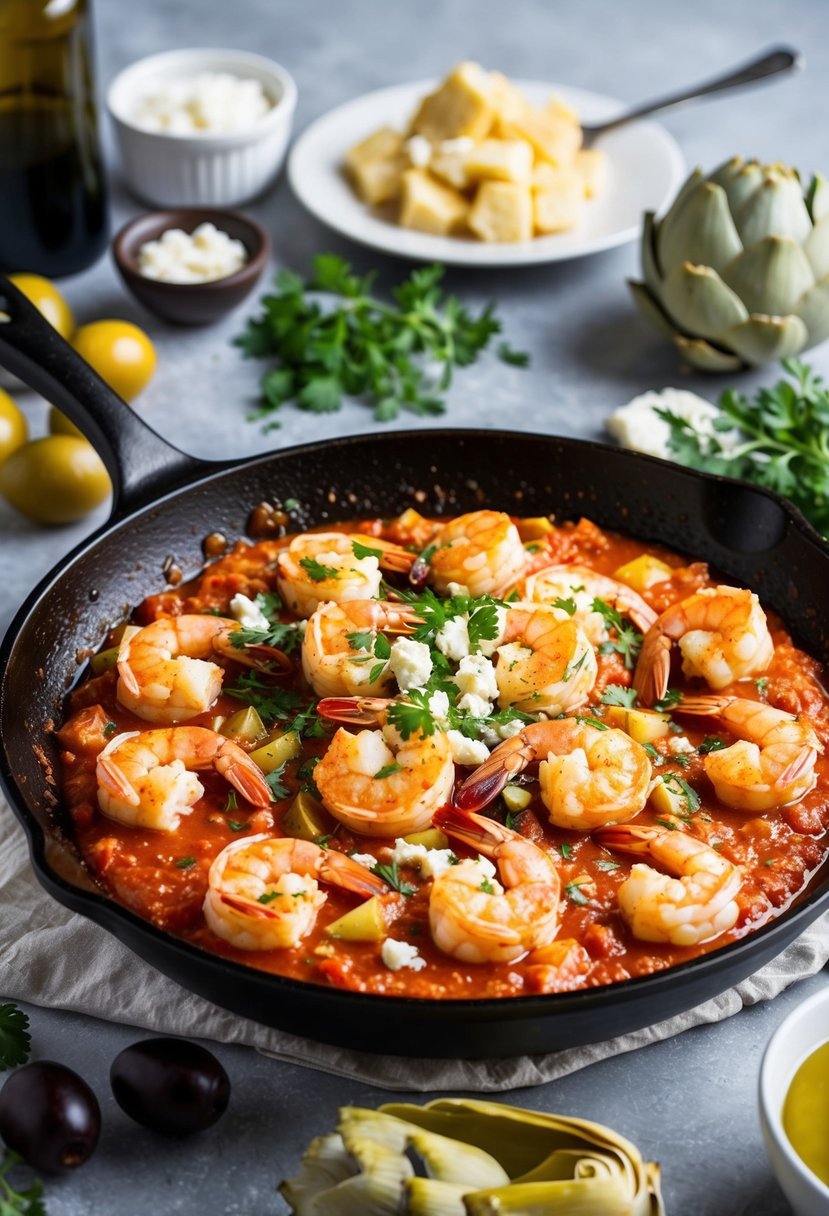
(781, 59)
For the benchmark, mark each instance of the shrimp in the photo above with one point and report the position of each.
(263, 894)
(376, 782)
(318, 567)
(696, 906)
(334, 662)
(722, 634)
(545, 664)
(481, 551)
(476, 919)
(147, 778)
(164, 669)
(772, 764)
(590, 775)
(583, 586)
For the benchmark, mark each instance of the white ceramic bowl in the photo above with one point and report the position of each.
(223, 170)
(797, 1036)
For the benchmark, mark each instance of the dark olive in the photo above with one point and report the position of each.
(170, 1085)
(50, 1116)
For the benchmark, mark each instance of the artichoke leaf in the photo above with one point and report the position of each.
(325, 1163)
(817, 198)
(650, 310)
(594, 1197)
(430, 1197)
(738, 179)
(813, 311)
(762, 339)
(452, 1161)
(816, 248)
(770, 276)
(650, 266)
(702, 231)
(700, 303)
(776, 208)
(704, 357)
(578, 1163)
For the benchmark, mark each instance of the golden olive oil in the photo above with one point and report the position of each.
(806, 1112)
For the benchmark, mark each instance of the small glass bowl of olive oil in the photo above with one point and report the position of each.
(794, 1105)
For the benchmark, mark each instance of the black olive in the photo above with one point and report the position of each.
(50, 1116)
(170, 1085)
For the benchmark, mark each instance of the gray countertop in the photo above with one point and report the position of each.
(688, 1102)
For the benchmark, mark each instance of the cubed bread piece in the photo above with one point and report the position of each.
(503, 160)
(376, 166)
(502, 211)
(591, 166)
(558, 198)
(553, 139)
(450, 167)
(460, 106)
(429, 206)
(558, 109)
(507, 101)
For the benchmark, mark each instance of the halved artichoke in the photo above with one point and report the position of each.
(476, 1159)
(737, 272)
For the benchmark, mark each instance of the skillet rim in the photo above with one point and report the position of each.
(805, 909)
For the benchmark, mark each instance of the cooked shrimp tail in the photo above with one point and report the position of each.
(360, 711)
(485, 784)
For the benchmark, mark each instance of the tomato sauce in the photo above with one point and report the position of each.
(163, 876)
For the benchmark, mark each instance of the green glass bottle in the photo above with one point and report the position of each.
(53, 198)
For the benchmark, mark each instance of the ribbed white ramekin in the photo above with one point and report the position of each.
(170, 170)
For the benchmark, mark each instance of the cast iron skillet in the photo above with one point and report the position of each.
(166, 502)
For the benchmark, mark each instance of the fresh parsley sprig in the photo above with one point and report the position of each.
(12, 1201)
(364, 347)
(778, 439)
(285, 636)
(15, 1040)
(624, 639)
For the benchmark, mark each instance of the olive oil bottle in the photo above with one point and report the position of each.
(53, 201)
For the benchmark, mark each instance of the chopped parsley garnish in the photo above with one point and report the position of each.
(627, 641)
(575, 894)
(568, 605)
(413, 715)
(284, 636)
(267, 897)
(274, 704)
(360, 550)
(387, 770)
(762, 685)
(711, 743)
(682, 760)
(594, 722)
(236, 825)
(678, 785)
(278, 788)
(322, 841)
(617, 694)
(15, 1040)
(230, 801)
(487, 887)
(305, 775)
(482, 613)
(185, 863)
(566, 851)
(389, 875)
(574, 667)
(655, 756)
(511, 819)
(316, 571)
(672, 697)
(607, 864)
(109, 729)
(667, 823)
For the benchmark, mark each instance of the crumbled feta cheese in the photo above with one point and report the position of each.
(410, 662)
(637, 426)
(477, 706)
(208, 103)
(419, 151)
(453, 639)
(466, 751)
(680, 745)
(397, 954)
(439, 708)
(488, 870)
(202, 256)
(432, 862)
(248, 613)
(461, 146)
(364, 859)
(508, 730)
(453, 589)
(476, 675)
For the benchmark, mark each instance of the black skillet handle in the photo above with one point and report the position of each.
(141, 464)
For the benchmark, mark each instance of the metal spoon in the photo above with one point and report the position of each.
(782, 59)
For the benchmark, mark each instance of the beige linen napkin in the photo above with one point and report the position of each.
(50, 956)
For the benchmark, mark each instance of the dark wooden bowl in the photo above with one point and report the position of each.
(190, 303)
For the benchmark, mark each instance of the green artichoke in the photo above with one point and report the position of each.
(737, 272)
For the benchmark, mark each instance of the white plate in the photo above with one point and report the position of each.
(646, 168)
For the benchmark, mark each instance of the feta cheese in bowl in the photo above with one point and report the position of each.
(201, 127)
(191, 266)
(201, 256)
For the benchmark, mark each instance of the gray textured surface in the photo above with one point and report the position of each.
(689, 1102)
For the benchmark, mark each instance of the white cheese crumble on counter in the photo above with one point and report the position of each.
(410, 663)
(637, 426)
(202, 256)
(248, 613)
(396, 955)
(211, 103)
